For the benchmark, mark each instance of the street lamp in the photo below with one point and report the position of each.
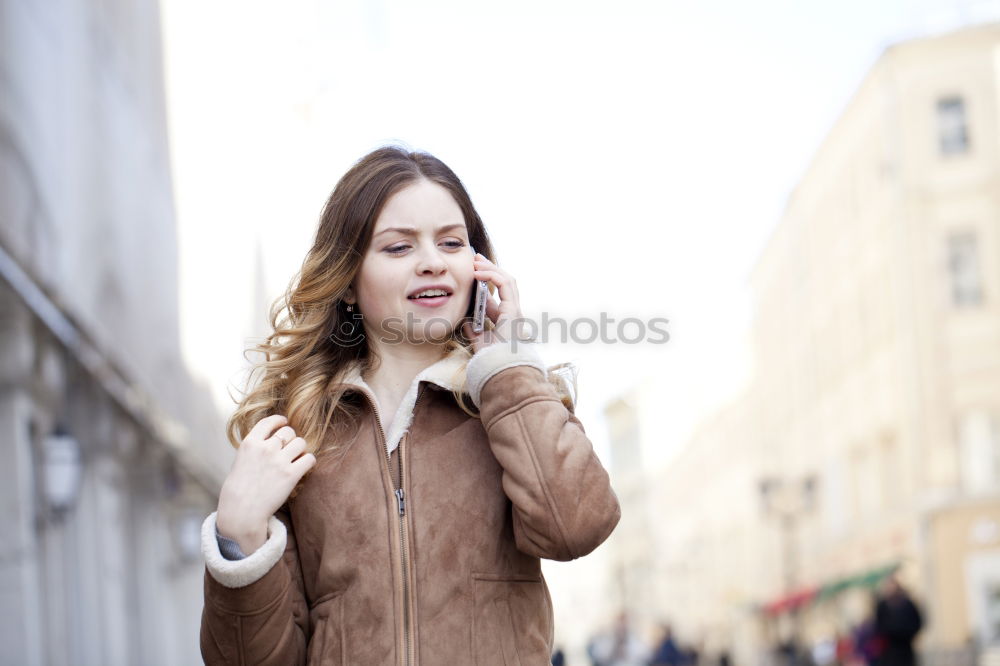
(62, 469)
(788, 500)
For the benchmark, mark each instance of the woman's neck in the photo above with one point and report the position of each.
(398, 365)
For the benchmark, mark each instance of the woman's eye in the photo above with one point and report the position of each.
(397, 249)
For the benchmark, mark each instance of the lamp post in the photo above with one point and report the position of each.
(787, 501)
(62, 470)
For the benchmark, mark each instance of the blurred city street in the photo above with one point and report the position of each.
(808, 470)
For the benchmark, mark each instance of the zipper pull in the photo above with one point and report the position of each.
(401, 502)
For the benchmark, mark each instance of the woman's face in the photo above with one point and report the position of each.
(420, 240)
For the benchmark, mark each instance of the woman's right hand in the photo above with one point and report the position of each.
(268, 465)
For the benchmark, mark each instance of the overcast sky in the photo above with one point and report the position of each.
(629, 158)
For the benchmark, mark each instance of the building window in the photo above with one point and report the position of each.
(979, 448)
(992, 613)
(963, 268)
(835, 505)
(890, 467)
(868, 496)
(953, 131)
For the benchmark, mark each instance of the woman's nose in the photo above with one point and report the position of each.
(431, 261)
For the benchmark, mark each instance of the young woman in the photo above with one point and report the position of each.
(398, 476)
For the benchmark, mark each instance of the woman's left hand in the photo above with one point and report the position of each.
(506, 315)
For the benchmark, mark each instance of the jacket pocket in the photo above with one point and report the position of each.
(326, 646)
(509, 620)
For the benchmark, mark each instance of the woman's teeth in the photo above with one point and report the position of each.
(431, 293)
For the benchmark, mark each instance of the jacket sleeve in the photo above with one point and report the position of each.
(563, 503)
(229, 548)
(255, 609)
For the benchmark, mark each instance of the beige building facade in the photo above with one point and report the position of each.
(869, 437)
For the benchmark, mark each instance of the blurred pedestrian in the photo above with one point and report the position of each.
(619, 647)
(844, 648)
(667, 653)
(789, 653)
(824, 651)
(868, 644)
(692, 655)
(897, 621)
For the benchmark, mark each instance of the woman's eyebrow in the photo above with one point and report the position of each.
(412, 231)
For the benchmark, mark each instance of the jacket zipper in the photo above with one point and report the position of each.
(401, 508)
(401, 505)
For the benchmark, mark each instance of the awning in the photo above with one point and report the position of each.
(869, 579)
(794, 600)
(807, 595)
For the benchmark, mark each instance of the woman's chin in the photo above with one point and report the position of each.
(441, 332)
(438, 331)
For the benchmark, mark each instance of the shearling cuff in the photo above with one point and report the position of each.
(240, 573)
(496, 357)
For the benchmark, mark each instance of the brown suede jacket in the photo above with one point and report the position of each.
(423, 546)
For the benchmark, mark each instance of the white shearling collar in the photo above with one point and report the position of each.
(447, 373)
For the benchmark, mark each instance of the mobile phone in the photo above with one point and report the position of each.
(481, 294)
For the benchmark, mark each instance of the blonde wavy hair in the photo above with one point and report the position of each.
(303, 358)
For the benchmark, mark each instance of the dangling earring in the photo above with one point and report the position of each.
(350, 331)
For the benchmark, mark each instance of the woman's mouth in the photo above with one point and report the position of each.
(430, 301)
